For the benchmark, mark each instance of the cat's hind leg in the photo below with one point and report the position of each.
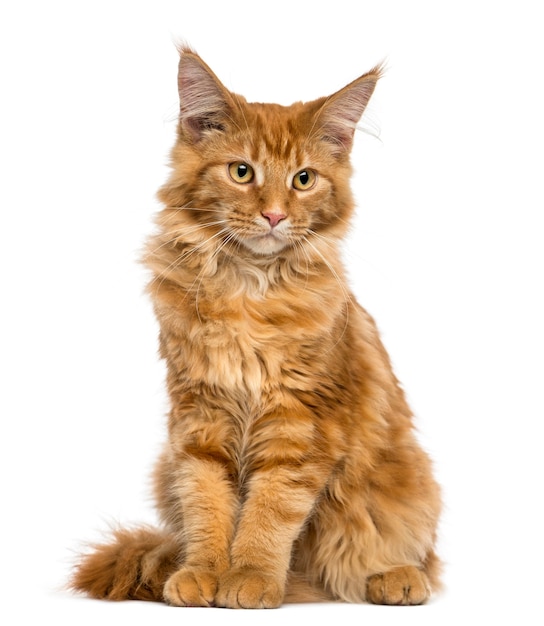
(360, 551)
(406, 585)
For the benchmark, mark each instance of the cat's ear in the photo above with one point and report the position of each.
(339, 114)
(205, 103)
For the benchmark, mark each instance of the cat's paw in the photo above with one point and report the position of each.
(400, 586)
(191, 587)
(249, 589)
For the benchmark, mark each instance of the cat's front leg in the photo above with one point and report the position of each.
(207, 507)
(278, 503)
(284, 484)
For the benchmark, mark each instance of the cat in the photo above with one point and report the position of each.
(291, 472)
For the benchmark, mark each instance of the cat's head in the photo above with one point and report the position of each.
(263, 178)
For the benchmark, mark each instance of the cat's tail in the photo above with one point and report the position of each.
(136, 563)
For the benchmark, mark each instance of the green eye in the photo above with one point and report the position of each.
(241, 172)
(304, 180)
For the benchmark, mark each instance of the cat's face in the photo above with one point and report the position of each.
(267, 184)
(263, 178)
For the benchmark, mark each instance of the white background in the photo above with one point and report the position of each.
(446, 253)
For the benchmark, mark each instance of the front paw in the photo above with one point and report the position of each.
(245, 588)
(191, 587)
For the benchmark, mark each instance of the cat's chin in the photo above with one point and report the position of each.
(267, 245)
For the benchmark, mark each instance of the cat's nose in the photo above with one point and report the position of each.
(274, 218)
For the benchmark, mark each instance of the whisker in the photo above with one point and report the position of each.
(177, 235)
(299, 247)
(328, 241)
(171, 213)
(181, 230)
(192, 208)
(347, 297)
(186, 254)
(215, 254)
(345, 293)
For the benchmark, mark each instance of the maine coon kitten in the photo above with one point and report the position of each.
(291, 472)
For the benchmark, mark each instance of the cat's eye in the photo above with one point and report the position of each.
(304, 180)
(241, 172)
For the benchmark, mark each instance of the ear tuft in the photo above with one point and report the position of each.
(341, 112)
(204, 102)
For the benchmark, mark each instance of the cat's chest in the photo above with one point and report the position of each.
(236, 343)
(249, 344)
(236, 336)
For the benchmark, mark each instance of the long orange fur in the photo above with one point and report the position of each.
(291, 472)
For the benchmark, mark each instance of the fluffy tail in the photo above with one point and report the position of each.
(133, 566)
(137, 562)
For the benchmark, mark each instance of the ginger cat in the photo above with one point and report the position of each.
(291, 472)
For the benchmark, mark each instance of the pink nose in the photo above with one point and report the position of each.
(274, 218)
